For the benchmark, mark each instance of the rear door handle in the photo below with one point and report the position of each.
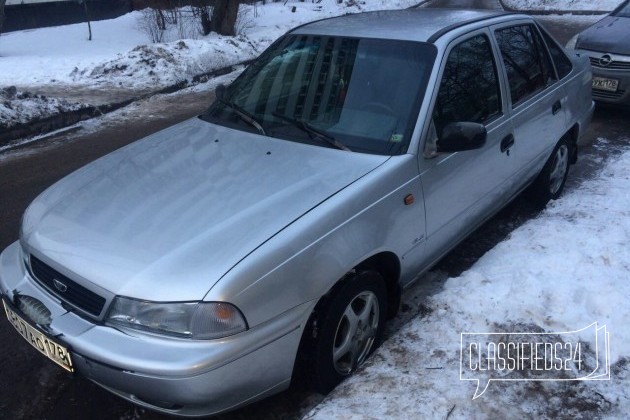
(556, 107)
(506, 143)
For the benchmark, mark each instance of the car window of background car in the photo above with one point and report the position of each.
(364, 92)
(560, 60)
(526, 61)
(469, 90)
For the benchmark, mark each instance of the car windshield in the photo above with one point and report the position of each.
(357, 94)
(624, 11)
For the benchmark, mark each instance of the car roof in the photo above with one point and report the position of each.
(422, 24)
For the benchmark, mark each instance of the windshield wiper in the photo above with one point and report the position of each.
(244, 115)
(312, 131)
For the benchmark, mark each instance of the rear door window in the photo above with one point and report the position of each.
(561, 61)
(526, 61)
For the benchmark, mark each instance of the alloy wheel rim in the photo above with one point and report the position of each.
(559, 169)
(356, 332)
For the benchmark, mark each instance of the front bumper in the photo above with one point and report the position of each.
(177, 376)
(611, 66)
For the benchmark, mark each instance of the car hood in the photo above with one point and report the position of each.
(165, 218)
(609, 35)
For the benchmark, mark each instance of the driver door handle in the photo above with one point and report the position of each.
(506, 143)
(556, 107)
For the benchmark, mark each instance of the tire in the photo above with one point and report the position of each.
(550, 182)
(347, 329)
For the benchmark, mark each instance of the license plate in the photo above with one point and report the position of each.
(49, 348)
(603, 83)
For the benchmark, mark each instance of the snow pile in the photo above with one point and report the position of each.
(21, 107)
(154, 65)
(562, 271)
(601, 5)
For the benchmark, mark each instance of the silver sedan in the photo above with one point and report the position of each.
(201, 268)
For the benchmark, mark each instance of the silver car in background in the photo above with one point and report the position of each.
(210, 264)
(607, 45)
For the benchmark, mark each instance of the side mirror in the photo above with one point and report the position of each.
(460, 136)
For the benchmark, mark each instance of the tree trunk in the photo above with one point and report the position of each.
(161, 21)
(224, 16)
(87, 17)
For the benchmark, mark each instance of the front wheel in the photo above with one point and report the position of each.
(551, 180)
(348, 329)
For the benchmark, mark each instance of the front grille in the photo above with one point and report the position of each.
(614, 65)
(75, 294)
(604, 94)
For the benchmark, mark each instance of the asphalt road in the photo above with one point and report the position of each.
(32, 387)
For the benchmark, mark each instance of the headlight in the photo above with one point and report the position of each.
(197, 320)
(572, 42)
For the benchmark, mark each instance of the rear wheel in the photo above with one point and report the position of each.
(551, 180)
(347, 329)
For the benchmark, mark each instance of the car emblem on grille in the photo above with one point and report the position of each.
(59, 285)
(605, 60)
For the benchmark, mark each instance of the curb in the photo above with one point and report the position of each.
(57, 121)
(65, 119)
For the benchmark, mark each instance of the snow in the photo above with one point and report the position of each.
(576, 5)
(561, 271)
(48, 55)
(161, 65)
(22, 107)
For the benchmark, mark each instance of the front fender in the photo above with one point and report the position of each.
(307, 258)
